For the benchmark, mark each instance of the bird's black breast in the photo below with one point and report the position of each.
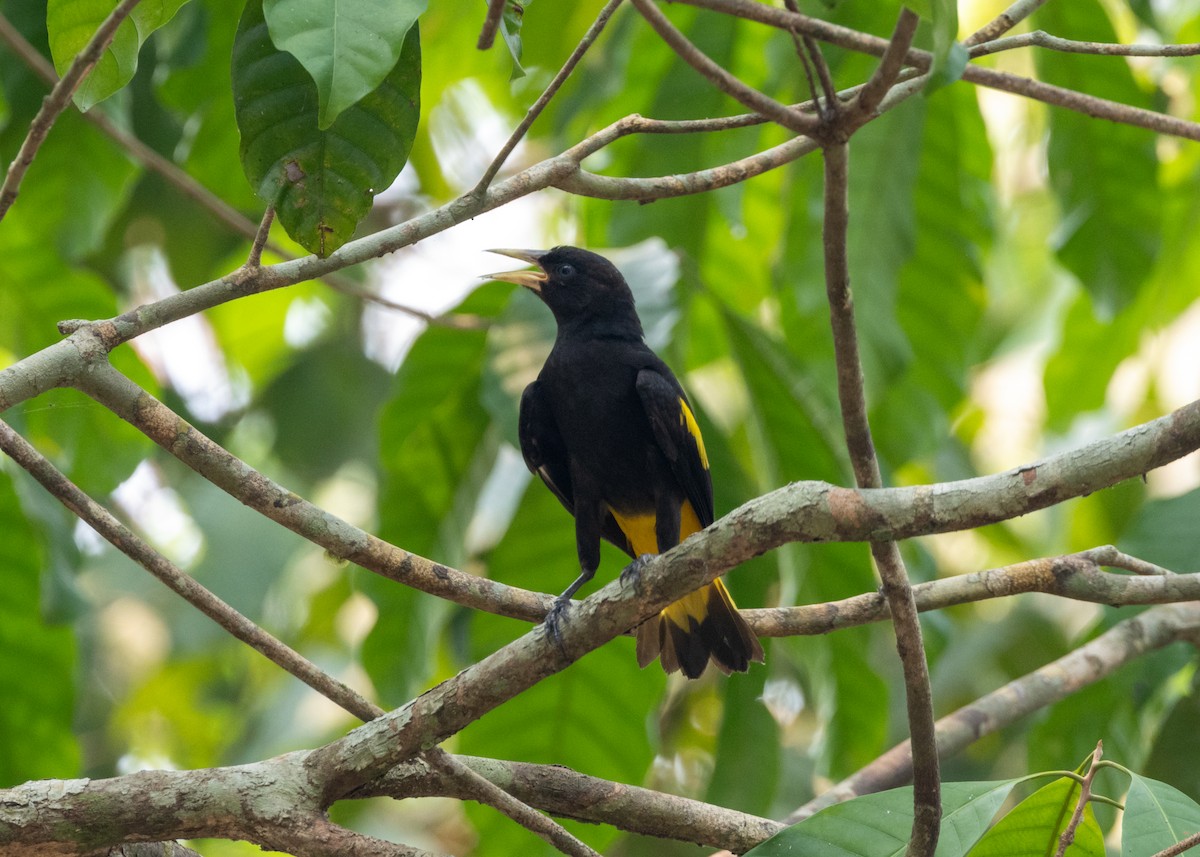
(591, 389)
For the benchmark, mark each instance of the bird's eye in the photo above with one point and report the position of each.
(566, 270)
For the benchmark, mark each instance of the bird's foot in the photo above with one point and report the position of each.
(555, 618)
(632, 573)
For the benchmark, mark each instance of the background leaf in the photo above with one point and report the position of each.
(347, 48)
(71, 25)
(320, 181)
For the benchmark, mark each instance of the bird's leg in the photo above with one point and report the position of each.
(562, 604)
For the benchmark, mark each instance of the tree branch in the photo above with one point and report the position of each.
(927, 804)
(491, 24)
(538, 106)
(1181, 846)
(863, 107)
(793, 120)
(1089, 105)
(1005, 21)
(478, 788)
(1076, 576)
(1042, 39)
(569, 794)
(1085, 794)
(802, 511)
(1091, 662)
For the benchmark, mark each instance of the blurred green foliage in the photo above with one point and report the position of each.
(1023, 279)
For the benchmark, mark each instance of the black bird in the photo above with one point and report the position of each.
(608, 428)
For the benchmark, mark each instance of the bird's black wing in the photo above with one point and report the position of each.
(542, 446)
(678, 436)
(546, 454)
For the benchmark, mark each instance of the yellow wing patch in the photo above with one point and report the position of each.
(687, 419)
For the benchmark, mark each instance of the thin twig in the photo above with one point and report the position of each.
(1005, 21)
(260, 238)
(485, 791)
(752, 98)
(551, 90)
(58, 99)
(1076, 576)
(1085, 793)
(808, 54)
(829, 106)
(1095, 660)
(1185, 844)
(1042, 39)
(896, 588)
(1069, 99)
(491, 24)
(871, 95)
(183, 584)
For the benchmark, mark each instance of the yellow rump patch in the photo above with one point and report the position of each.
(640, 531)
(687, 419)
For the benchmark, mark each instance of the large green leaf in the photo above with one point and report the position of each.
(949, 55)
(314, 441)
(320, 181)
(941, 298)
(347, 46)
(71, 25)
(1170, 757)
(1157, 816)
(746, 768)
(1035, 824)
(1164, 532)
(66, 202)
(436, 448)
(1107, 185)
(879, 825)
(36, 670)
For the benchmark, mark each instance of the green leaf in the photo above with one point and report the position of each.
(510, 29)
(746, 769)
(1036, 823)
(71, 25)
(1157, 816)
(941, 295)
(1164, 532)
(435, 447)
(320, 181)
(347, 46)
(949, 55)
(1171, 757)
(880, 824)
(315, 441)
(67, 201)
(36, 672)
(1108, 185)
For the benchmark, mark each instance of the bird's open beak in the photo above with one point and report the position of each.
(532, 280)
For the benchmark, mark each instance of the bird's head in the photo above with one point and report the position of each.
(581, 288)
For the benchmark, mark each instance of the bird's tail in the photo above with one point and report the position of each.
(698, 627)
